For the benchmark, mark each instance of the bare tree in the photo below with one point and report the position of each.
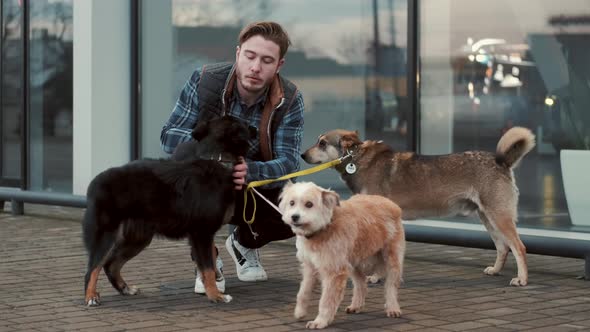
(209, 12)
(351, 48)
(247, 11)
(198, 14)
(10, 20)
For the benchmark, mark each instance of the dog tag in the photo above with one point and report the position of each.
(350, 168)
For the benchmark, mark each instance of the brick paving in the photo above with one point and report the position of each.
(42, 263)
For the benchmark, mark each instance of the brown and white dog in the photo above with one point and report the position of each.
(435, 186)
(337, 239)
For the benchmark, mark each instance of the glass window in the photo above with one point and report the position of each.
(50, 95)
(489, 65)
(348, 58)
(11, 78)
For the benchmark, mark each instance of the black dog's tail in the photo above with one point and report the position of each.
(514, 145)
(98, 243)
(97, 240)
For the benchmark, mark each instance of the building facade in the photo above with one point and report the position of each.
(87, 85)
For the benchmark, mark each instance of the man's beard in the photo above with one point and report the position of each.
(243, 81)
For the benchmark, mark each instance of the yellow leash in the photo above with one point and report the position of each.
(254, 184)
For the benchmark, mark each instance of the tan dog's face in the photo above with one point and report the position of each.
(306, 207)
(330, 146)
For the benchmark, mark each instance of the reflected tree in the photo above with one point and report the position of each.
(247, 11)
(352, 48)
(52, 63)
(214, 13)
(10, 20)
(11, 69)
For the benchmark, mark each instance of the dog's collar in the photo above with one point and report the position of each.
(349, 155)
(309, 236)
(312, 235)
(347, 164)
(227, 163)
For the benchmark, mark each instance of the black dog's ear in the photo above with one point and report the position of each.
(252, 132)
(200, 131)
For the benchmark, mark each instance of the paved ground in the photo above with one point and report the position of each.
(42, 263)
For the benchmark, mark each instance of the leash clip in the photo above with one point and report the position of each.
(250, 187)
(349, 154)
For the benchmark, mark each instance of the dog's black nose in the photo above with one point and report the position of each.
(303, 156)
(295, 218)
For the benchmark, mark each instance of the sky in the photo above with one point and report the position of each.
(324, 28)
(320, 28)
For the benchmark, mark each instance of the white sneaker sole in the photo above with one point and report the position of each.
(200, 288)
(246, 278)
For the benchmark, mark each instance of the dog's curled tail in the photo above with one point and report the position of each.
(514, 145)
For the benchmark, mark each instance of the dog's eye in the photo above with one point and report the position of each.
(309, 205)
(291, 203)
(322, 144)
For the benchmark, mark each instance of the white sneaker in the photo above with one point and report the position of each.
(247, 261)
(219, 279)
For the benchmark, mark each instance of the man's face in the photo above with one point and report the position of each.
(257, 62)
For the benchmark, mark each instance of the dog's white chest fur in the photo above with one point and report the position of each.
(304, 254)
(317, 258)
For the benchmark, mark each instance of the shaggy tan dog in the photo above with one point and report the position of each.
(337, 239)
(478, 182)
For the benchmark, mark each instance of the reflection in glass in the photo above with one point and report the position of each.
(50, 120)
(489, 65)
(349, 65)
(11, 71)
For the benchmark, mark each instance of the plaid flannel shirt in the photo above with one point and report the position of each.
(287, 139)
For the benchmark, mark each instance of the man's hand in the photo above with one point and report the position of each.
(239, 173)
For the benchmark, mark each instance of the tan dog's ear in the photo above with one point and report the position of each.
(330, 198)
(288, 184)
(349, 140)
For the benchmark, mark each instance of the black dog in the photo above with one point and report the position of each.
(191, 198)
